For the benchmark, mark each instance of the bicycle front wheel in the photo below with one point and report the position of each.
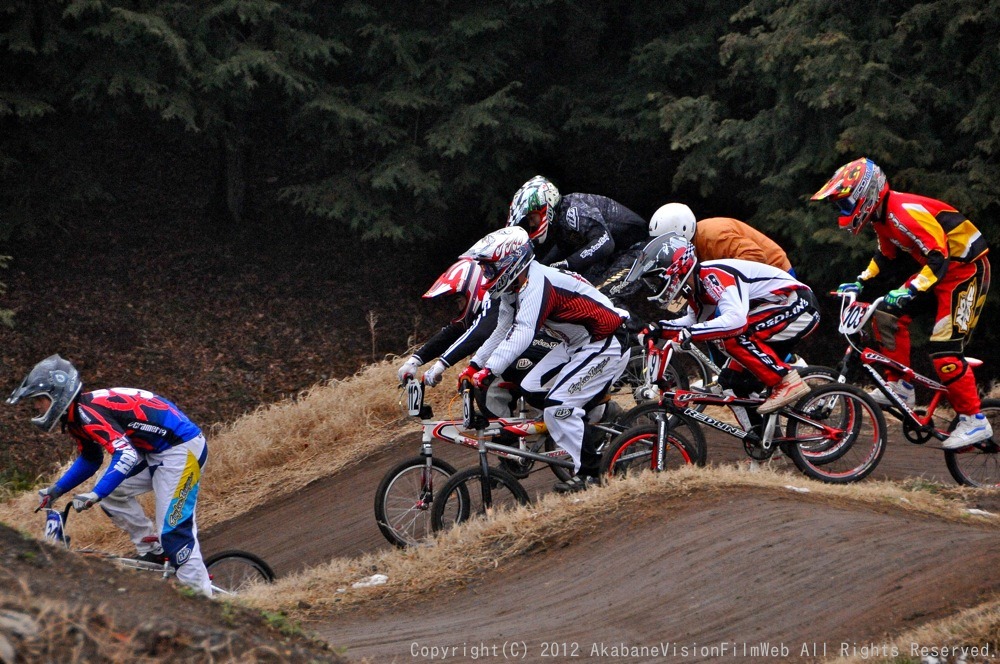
(838, 434)
(467, 494)
(404, 496)
(234, 571)
(979, 464)
(635, 450)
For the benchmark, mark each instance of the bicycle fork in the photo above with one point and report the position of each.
(484, 466)
(427, 476)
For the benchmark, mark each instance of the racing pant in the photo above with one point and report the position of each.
(580, 376)
(772, 331)
(173, 476)
(956, 301)
(501, 396)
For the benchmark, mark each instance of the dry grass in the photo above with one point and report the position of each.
(978, 627)
(63, 631)
(462, 554)
(270, 452)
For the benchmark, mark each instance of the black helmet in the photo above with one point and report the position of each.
(55, 378)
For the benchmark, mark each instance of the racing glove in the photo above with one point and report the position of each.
(482, 378)
(433, 375)
(899, 297)
(652, 331)
(562, 265)
(467, 374)
(680, 334)
(47, 496)
(850, 287)
(84, 501)
(409, 369)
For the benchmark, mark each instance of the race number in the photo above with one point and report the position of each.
(414, 397)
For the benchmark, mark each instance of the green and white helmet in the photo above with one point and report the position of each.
(534, 208)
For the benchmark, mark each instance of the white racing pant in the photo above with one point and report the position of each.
(173, 476)
(586, 372)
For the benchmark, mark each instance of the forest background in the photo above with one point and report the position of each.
(229, 201)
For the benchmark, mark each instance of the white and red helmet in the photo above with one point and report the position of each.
(503, 255)
(464, 281)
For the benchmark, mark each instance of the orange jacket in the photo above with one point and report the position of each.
(720, 237)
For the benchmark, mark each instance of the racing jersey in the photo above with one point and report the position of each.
(932, 232)
(587, 231)
(720, 237)
(724, 293)
(443, 343)
(127, 423)
(562, 304)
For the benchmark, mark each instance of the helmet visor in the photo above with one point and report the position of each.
(646, 260)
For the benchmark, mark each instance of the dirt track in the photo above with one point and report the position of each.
(739, 570)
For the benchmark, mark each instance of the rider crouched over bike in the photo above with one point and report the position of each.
(952, 283)
(755, 312)
(591, 355)
(153, 446)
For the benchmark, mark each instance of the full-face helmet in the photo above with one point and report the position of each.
(534, 208)
(54, 378)
(667, 272)
(675, 218)
(857, 190)
(464, 283)
(503, 255)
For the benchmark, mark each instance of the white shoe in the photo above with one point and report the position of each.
(971, 429)
(789, 390)
(904, 390)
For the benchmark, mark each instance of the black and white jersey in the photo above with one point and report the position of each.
(562, 304)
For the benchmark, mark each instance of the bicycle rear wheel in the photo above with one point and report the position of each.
(463, 497)
(634, 450)
(234, 571)
(841, 437)
(979, 464)
(404, 497)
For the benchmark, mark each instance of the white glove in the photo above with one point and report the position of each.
(47, 496)
(409, 369)
(433, 375)
(84, 501)
(562, 265)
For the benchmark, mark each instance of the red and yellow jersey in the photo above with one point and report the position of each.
(930, 231)
(720, 237)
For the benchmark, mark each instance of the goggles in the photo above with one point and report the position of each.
(845, 205)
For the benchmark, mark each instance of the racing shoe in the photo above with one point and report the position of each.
(900, 388)
(789, 390)
(971, 429)
(153, 557)
(576, 483)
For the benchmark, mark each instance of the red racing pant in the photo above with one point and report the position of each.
(957, 301)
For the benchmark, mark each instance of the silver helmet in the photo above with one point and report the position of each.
(54, 378)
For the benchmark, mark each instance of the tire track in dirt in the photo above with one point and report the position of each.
(738, 569)
(334, 517)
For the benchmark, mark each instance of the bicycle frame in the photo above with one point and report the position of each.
(681, 401)
(457, 432)
(55, 531)
(854, 316)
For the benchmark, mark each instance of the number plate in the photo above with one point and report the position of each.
(414, 397)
